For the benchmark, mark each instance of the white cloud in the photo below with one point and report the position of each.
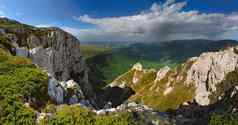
(43, 25)
(159, 23)
(2, 14)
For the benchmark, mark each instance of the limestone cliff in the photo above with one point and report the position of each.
(208, 72)
(52, 49)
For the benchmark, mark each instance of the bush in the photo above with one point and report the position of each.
(224, 119)
(76, 115)
(124, 118)
(18, 77)
(20, 82)
(72, 115)
(13, 111)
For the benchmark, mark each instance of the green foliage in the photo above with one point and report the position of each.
(72, 115)
(20, 81)
(223, 119)
(124, 118)
(4, 44)
(76, 115)
(40, 32)
(13, 111)
(18, 77)
(127, 78)
(10, 24)
(146, 79)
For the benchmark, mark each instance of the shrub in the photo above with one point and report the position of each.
(4, 44)
(12, 111)
(18, 77)
(72, 115)
(223, 119)
(76, 115)
(124, 118)
(20, 82)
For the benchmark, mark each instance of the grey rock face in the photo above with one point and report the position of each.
(55, 91)
(209, 70)
(62, 57)
(34, 41)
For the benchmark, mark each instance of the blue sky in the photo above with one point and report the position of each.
(68, 13)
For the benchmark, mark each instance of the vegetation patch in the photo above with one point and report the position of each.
(229, 82)
(14, 112)
(152, 93)
(76, 115)
(224, 119)
(20, 82)
(5, 45)
(11, 24)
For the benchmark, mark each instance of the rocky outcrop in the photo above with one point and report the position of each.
(63, 59)
(138, 72)
(161, 73)
(55, 91)
(209, 70)
(65, 92)
(127, 106)
(23, 52)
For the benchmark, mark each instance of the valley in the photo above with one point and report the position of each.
(115, 60)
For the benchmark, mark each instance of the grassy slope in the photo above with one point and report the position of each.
(20, 81)
(150, 92)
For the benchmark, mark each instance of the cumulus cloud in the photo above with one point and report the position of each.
(161, 22)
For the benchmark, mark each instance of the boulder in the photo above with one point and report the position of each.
(65, 92)
(23, 52)
(55, 91)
